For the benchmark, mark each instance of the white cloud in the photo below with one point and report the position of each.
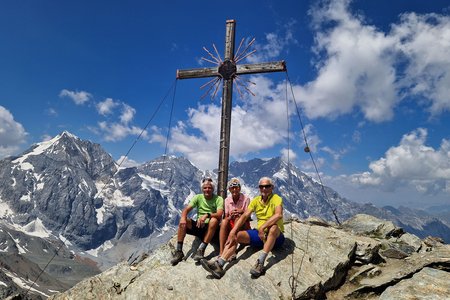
(314, 141)
(79, 98)
(126, 162)
(428, 70)
(127, 113)
(288, 154)
(411, 163)
(355, 69)
(311, 136)
(46, 137)
(114, 132)
(362, 69)
(403, 195)
(253, 127)
(12, 133)
(106, 107)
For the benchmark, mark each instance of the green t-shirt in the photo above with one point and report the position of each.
(204, 206)
(265, 211)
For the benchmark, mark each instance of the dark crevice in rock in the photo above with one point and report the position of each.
(378, 290)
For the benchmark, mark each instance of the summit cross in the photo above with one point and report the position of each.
(227, 70)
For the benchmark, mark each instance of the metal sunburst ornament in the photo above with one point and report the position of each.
(228, 70)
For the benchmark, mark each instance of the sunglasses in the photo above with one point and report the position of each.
(234, 184)
(206, 179)
(267, 186)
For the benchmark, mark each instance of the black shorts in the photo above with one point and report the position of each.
(200, 232)
(195, 231)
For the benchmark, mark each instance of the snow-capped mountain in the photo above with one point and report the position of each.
(305, 197)
(302, 195)
(71, 189)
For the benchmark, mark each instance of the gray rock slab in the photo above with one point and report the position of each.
(370, 225)
(396, 270)
(428, 284)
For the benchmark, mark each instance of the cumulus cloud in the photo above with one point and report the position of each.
(127, 113)
(412, 163)
(427, 73)
(46, 137)
(288, 154)
(106, 107)
(126, 162)
(355, 70)
(79, 98)
(12, 133)
(114, 131)
(363, 69)
(252, 128)
(311, 136)
(403, 195)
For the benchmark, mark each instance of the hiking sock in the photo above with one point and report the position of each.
(179, 246)
(221, 261)
(202, 246)
(262, 257)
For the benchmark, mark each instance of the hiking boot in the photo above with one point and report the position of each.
(213, 259)
(258, 269)
(177, 257)
(214, 268)
(199, 254)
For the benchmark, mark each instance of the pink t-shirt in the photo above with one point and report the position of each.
(242, 203)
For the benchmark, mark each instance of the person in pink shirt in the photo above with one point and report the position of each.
(235, 205)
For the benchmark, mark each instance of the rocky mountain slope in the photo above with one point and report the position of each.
(365, 258)
(23, 258)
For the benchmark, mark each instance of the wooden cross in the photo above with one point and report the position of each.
(227, 70)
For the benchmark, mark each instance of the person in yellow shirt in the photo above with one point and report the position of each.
(268, 208)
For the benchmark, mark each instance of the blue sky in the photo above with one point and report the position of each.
(371, 79)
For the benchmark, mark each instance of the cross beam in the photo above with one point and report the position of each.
(228, 70)
(276, 66)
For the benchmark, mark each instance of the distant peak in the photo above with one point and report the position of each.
(67, 134)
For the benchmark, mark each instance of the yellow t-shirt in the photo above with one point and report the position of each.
(265, 211)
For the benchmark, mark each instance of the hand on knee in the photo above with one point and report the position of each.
(274, 231)
(213, 222)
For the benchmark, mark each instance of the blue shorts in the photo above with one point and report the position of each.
(255, 241)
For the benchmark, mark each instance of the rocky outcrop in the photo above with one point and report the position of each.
(427, 284)
(318, 261)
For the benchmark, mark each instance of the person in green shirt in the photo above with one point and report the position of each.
(209, 208)
(268, 208)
